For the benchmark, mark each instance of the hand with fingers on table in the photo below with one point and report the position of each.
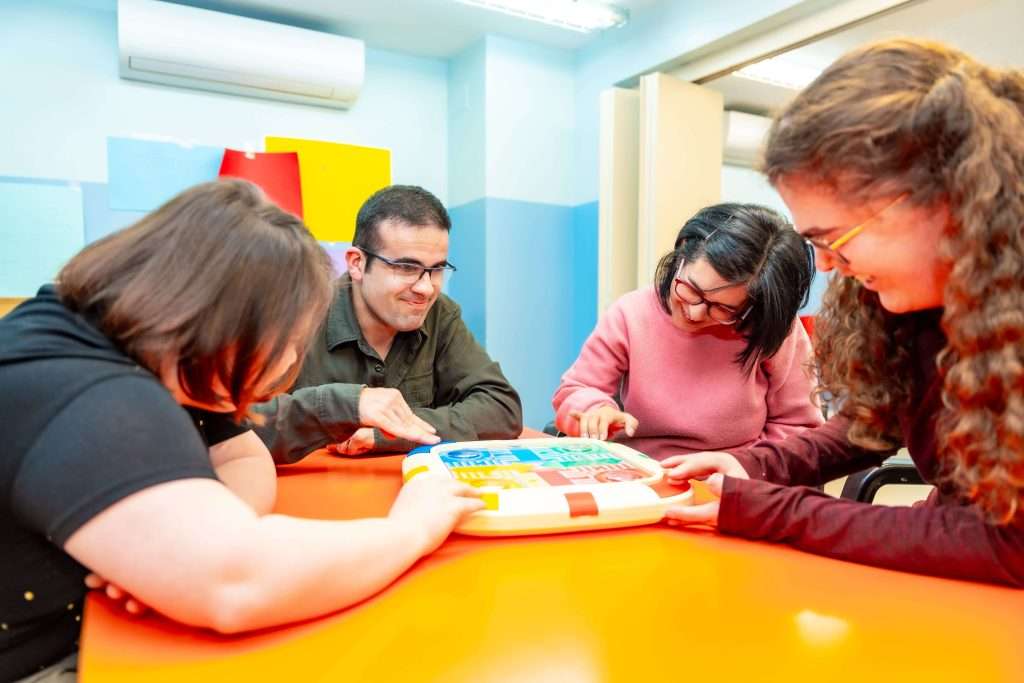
(602, 423)
(386, 409)
(711, 467)
(361, 441)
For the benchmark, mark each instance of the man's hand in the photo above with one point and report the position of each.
(360, 442)
(387, 410)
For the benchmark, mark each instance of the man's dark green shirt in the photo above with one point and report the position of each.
(444, 375)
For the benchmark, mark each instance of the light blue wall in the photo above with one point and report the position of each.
(63, 97)
(529, 112)
(584, 273)
(511, 114)
(467, 141)
(532, 296)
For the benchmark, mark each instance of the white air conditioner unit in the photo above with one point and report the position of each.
(743, 137)
(184, 46)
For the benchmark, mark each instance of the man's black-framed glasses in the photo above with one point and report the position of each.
(693, 295)
(410, 272)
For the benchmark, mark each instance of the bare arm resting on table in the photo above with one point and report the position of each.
(244, 465)
(215, 563)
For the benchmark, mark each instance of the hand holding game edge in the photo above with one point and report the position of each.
(703, 513)
(387, 410)
(432, 506)
(711, 467)
(603, 422)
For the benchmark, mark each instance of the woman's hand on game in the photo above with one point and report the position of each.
(603, 422)
(116, 593)
(682, 468)
(709, 466)
(432, 506)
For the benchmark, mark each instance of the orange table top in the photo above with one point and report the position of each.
(648, 603)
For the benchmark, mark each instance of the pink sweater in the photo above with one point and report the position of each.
(685, 388)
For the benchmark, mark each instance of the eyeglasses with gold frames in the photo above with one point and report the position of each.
(833, 246)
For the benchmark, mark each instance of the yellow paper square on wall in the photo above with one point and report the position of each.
(336, 179)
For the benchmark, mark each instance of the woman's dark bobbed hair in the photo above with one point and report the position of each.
(751, 244)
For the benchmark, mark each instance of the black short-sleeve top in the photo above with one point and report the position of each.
(82, 426)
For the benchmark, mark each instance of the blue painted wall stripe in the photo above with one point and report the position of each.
(527, 285)
(584, 278)
(468, 251)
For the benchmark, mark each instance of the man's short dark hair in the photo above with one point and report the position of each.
(405, 204)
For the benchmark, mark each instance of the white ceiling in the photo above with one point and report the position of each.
(431, 28)
(990, 30)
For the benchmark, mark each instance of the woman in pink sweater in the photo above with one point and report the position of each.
(711, 357)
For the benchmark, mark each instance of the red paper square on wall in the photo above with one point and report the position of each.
(276, 173)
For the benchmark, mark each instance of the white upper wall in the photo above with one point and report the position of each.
(530, 112)
(523, 118)
(63, 97)
(467, 126)
(652, 39)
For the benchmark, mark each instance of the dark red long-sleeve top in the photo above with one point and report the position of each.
(941, 536)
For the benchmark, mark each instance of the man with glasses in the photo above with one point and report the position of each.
(394, 365)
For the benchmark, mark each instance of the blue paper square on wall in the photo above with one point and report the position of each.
(143, 174)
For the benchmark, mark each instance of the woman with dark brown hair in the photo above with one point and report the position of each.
(121, 389)
(903, 164)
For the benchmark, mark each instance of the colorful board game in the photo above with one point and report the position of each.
(536, 486)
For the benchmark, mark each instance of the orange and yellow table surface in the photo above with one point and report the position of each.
(642, 604)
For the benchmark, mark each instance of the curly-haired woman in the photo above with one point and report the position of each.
(903, 163)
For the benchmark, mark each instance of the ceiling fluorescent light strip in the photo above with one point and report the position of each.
(576, 15)
(776, 71)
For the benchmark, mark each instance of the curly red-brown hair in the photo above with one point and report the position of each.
(920, 118)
